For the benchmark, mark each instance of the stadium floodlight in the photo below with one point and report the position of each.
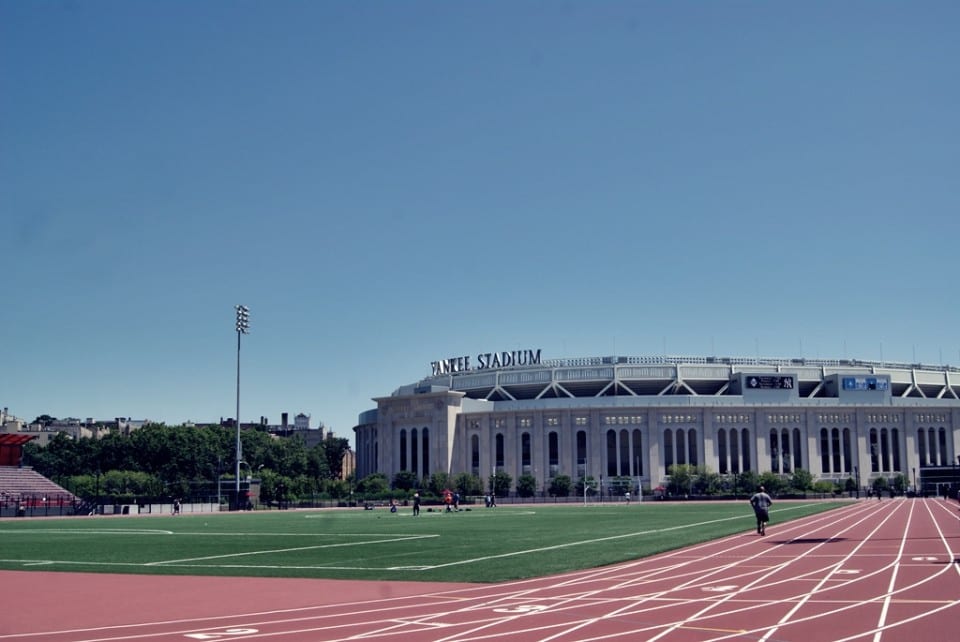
(243, 319)
(243, 327)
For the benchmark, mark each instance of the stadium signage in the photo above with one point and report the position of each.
(486, 360)
(770, 382)
(865, 383)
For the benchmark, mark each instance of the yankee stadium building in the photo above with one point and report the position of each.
(605, 417)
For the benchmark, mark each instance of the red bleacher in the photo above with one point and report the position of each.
(22, 488)
(28, 488)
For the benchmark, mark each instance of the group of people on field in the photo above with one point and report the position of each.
(760, 501)
(451, 502)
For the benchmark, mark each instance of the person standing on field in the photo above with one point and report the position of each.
(761, 504)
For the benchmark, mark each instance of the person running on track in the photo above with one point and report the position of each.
(761, 503)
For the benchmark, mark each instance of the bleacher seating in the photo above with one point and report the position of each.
(25, 486)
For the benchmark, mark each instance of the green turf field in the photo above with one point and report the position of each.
(477, 545)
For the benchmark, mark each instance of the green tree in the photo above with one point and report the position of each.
(774, 483)
(801, 480)
(317, 467)
(900, 483)
(620, 485)
(337, 488)
(588, 483)
(501, 484)
(334, 449)
(467, 484)
(526, 485)
(824, 487)
(880, 484)
(405, 480)
(373, 485)
(681, 479)
(439, 482)
(708, 483)
(560, 486)
(748, 481)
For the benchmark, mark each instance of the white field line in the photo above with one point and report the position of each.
(394, 538)
(597, 540)
(290, 550)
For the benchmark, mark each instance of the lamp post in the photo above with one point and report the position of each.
(219, 472)
(243, 326)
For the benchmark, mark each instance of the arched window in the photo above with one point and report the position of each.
(895, 445)
(553, 453)
(942, 450)
(681, 446)
(745, 449)
(723, 467)
(797, 450)
(414, 453)
(581, 453)
(835, 449)
(884, 450)
(425, 444)
(611, 453)
(475, 454)
(847, 454)
(637, 453)
(785, 450)
(692, 447)
(824, 451)
(667, 450)
(525, 454)
(773, 446)
(735, 464)
(403, 450)
(499, 450)
(624, 452)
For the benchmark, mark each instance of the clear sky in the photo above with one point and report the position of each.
(389, 183)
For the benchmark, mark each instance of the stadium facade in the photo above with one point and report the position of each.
(619, 416)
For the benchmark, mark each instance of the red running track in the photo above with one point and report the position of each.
(880, 571)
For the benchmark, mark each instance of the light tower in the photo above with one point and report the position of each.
(243, 327)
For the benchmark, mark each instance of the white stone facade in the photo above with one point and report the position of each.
(633, 417)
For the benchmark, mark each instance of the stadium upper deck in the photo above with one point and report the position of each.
(683, 375)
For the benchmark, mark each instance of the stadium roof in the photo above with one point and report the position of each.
(14, 439)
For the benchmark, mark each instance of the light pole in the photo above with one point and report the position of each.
(243, 326)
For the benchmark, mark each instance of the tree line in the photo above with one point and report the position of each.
(160, 461)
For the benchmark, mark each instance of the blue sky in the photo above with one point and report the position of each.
(388, 183)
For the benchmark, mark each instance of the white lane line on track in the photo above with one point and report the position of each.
(577, 599)
(696, 577)
(429, 619)
(506, 599)
(892, 584)
(857, 604)
(592, 576)
(826, 579)
(661, 595)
